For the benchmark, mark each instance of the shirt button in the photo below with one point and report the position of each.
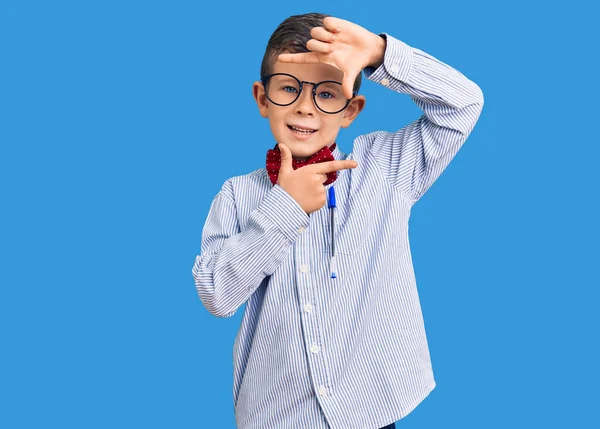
(385, 81)
(304, 268)
(315, 348)
(308, 307)
(322, 391)
(395, 68)
(301, 230)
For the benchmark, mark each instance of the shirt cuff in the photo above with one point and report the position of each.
(285, 212)
(397, 63)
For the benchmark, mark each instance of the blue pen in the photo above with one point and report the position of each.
(331, 206)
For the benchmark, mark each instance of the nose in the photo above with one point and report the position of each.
(305, 103)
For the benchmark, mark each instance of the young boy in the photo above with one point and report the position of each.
(332, 335)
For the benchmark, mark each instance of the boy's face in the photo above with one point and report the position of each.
(303, 113)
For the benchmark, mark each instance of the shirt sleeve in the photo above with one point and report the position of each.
(413, 157)
(233, 263)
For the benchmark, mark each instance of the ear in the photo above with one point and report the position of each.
(258, 91)
(354, 108)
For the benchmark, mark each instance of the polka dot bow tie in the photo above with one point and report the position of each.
(323, 155)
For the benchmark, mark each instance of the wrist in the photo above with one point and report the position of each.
(379, 51)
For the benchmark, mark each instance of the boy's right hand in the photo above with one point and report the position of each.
(305, 184)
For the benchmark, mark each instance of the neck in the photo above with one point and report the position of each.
(300, 158)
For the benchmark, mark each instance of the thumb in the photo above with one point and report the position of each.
(286, 158)
(348, 82)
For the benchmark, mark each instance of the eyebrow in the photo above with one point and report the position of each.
(331, 80)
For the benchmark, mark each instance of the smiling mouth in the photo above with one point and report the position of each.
(301, 130)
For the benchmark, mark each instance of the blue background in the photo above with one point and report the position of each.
(121, 120)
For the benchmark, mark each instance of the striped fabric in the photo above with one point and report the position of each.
(351, 352)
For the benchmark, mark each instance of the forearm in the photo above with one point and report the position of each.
(414, 156)
(230, 268)
(447, 98)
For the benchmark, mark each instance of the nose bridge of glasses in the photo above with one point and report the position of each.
(306, 93)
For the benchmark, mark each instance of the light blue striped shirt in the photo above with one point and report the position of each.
(351, 352)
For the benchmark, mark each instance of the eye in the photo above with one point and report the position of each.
(289, 89)
(326, 95)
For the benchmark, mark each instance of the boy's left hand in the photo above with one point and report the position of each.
(344, 45)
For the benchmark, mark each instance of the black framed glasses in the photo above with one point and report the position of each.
(284, 89)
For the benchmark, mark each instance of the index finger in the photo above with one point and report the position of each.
(330, 166)
(299, 58)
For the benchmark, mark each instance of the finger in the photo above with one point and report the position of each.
(333, 24)
(301, 58)
(323, 177)
(322, 34)
(330, 166)
(317, 46)
(286, 158)
(348, 82)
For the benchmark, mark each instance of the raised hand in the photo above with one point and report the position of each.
(344, 45)
(305, 185)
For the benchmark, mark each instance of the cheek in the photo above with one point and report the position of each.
(277, 125)
(277, 119)
(333, 125)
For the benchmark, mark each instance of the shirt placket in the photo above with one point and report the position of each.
(311, 322)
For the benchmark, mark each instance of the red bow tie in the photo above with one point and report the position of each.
(274, 162)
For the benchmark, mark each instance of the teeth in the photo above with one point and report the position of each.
(298, 130)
